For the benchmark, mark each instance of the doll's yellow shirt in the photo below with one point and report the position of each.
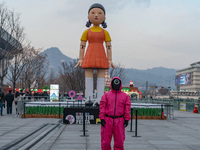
(95, 29)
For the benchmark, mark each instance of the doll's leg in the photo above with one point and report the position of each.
(89, 84)
(100, 83)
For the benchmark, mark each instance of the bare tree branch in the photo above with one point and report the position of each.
(71, 78)
(11, 34)
(119, 72)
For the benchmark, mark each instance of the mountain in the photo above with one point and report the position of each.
(158, 76)
(55, 57)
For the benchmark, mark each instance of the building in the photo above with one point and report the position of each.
(188, 79)
(8, 44)
(132, 91)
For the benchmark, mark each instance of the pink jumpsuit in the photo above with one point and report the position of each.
(117, 104)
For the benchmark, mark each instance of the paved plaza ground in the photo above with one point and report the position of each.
(180, 133)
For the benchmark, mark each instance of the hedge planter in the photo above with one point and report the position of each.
(43, 112)
(150, 117)
(148, 113)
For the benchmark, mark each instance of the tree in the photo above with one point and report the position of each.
(52, 77)
(71, 78)
(16, 68)
(11, 34)
(119, 72)
(34, 67)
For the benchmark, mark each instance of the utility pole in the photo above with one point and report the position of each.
(146, 93)
(146, 86)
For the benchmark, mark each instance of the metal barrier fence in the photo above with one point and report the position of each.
(44, 98)
(178, 104)
(49, 108)
(144, 109)
(35, 98)
(148, 109)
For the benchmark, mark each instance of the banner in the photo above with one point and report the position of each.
(75, 115)
(54, 92)
(183, 106)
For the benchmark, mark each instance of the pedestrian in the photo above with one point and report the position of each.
(9, 98)
(66, 95)
(114, 115)
(28, 96)
(46, 95)
(95, 57)
(35, 95)
(22, 95)
(17, 97)
(2, 101)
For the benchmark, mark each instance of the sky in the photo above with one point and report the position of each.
(145, 33)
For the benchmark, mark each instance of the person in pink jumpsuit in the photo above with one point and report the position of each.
(114, 115)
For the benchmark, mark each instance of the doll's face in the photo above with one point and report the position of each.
(96, 16)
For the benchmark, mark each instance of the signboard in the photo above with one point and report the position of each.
(183, 106)
(184, 79)
(75, 115)
(54, 92)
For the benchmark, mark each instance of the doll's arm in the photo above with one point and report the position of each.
(109, 54)
(81, 53)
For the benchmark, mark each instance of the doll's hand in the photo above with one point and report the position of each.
(79, 63)
(111, 64)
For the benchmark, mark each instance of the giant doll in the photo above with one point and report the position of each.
(95, 56)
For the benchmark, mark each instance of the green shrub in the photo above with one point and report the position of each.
(147, 111)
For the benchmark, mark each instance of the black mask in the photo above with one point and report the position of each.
(116, 84)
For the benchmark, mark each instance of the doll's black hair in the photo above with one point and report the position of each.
(104, 25)
(96, 5)
(88, 23)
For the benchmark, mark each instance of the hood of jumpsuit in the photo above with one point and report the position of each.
(111, 85)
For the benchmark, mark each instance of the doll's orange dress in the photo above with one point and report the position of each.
(95, 56)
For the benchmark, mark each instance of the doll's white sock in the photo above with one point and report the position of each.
(100, 88)
(89, 88)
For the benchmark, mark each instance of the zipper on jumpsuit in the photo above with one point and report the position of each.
(115, 108)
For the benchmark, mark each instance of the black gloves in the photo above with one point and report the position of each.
(4, 105)
(103, 122)
(125, 123)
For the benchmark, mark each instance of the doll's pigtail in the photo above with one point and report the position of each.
(88, 23)
(104, 25)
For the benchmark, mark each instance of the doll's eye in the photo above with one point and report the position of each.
(92, 12)
(100, 13)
